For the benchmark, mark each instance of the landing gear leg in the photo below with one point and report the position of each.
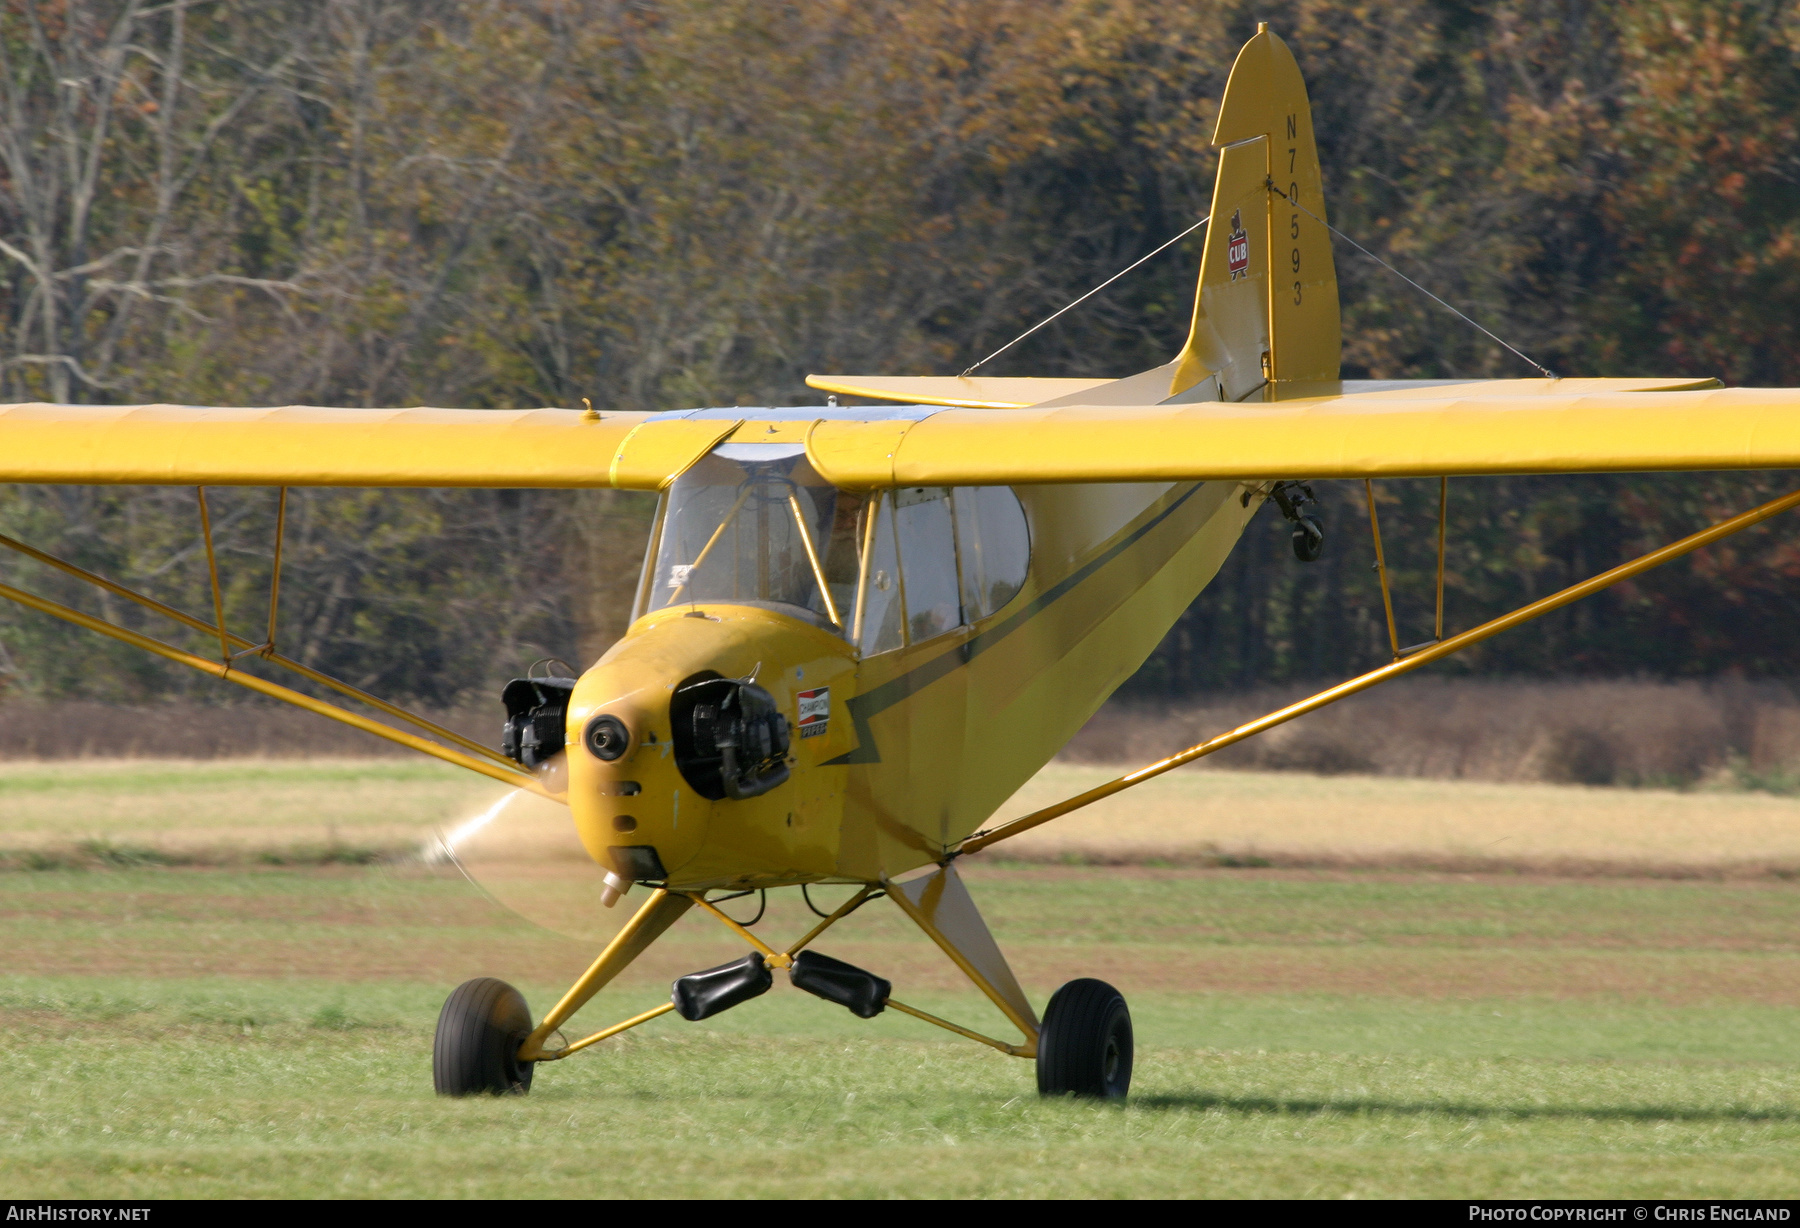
(1085, 1047)
(940, 905)
(485, 1041)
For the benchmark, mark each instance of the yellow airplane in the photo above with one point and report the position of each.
(859, 630)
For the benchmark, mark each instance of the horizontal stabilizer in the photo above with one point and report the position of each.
(974, 392)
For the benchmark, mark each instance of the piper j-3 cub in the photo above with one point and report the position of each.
(860, 630)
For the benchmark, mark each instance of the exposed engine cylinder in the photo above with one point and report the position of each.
(730, 740)
(537, 718)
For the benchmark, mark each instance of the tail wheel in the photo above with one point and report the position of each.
(1309, 539)
(1084, 1048)
(478, 1035)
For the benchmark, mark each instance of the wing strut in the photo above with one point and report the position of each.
(1387, 598)
(1381, 568)
(1437, 636)
(1444, 648)
(480, 759)
(275, 570)
(212, 570)
(217, 669)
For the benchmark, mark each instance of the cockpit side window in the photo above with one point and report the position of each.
(882, 613)
(754, 524)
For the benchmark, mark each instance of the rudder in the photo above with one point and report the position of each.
(1263, 325)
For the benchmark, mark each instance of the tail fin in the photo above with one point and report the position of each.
(1266, 315)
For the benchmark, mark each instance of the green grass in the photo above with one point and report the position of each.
(1782, 782)
(148, 1090)
(186, 1032)
(1183, 909)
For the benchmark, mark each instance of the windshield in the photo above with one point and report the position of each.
(753, 523)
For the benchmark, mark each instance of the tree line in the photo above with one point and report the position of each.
(666, 203)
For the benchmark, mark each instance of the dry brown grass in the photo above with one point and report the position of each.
(204, 731)
(228, 810)
(1595, 733)
(1459, 775)
(1620, 732)
(238, 811)
(1292, 819)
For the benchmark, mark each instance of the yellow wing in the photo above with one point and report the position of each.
(1505, 426)
(301, 445)
(1513, 426)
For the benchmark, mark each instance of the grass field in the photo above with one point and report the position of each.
(219, 808)
(1294, 818)
(239, 1030)
(223, 805)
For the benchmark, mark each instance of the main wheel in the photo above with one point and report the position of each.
(1084, 1047)
(478, 1035)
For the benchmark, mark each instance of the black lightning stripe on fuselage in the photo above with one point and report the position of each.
(865, 707)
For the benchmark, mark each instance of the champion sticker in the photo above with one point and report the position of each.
(815, 711)
(1237, 248)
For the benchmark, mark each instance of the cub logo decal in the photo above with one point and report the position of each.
(1237, 248)
(815, 711)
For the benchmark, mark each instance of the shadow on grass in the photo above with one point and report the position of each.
(1200, 1101)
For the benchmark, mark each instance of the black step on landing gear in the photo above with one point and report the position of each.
(479, 1031)
(701, 995)
(1084, 1048)
(863, 994)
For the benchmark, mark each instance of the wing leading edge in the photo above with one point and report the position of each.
(1367, 435)
(1509, 427)
(303, 445)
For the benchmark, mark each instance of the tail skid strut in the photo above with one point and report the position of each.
(1456, 643)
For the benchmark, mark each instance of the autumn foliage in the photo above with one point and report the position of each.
(668, 203)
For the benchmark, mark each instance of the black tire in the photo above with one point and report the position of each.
(1084, 1048)
(1309, 539)
(478, 1035)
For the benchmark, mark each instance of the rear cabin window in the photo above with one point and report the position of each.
(942, 558)
(993, 548)
(927, 530)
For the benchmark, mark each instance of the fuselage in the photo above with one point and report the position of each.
(909, 728)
